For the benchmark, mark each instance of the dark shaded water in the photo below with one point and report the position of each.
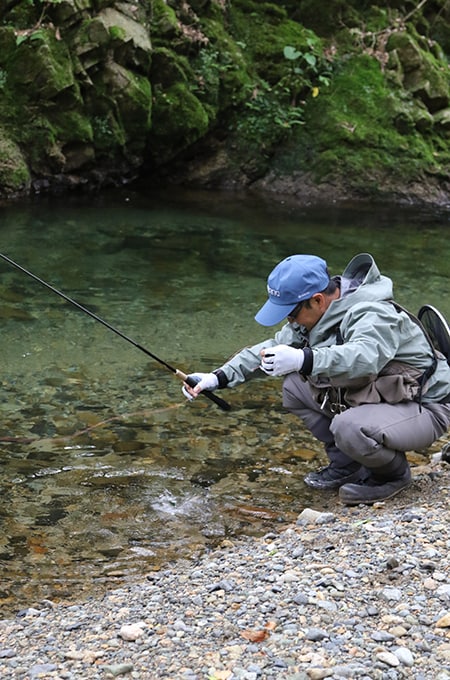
(105, 470)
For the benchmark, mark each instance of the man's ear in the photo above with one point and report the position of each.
(319, 299)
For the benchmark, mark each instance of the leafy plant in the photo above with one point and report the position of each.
(274, 110)
(209, 66)
(33, 34)
(270, 115)
(102, 129)
(308, 71)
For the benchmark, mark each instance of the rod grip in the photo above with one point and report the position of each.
(224, 405)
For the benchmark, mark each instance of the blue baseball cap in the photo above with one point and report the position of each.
(294, 279)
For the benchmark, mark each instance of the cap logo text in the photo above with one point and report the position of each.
(273, 292)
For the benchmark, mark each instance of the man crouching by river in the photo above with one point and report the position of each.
(360, 373)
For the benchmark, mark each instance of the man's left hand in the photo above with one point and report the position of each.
(281, 359)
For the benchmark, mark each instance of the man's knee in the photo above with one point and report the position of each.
(347, 433)
(358, 433)
(352, 439)
(296, 393)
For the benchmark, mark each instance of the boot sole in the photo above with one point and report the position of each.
(361, 501)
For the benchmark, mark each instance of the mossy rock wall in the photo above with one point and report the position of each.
(76, 99)
(268, 95)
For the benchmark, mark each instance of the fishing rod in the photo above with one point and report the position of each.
(225, 406)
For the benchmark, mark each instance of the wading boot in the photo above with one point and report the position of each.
(333, 477)
(382, 483)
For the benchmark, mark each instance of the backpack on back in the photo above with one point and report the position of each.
(437, 328)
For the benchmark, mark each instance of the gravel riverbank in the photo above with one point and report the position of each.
(358, 592)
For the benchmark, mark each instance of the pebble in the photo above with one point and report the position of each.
(119, 669)
(358, 593)
(132, 631)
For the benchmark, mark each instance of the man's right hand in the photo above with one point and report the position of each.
(205, 381)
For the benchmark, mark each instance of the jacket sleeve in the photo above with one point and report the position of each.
(372, 334)
(246, 363)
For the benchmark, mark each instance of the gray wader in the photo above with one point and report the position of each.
(371, 434)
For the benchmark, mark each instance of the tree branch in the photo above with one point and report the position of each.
(413, 11)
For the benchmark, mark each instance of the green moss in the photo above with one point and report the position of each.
(268, 9)
(164, 21)
(350, 130)
(117, 33)
(178, 120)
(263, 38)
(41, 66)
(70, 126)
(14, 173)
(134, 105)
(285, 61)
(220, 68)
(169, 67)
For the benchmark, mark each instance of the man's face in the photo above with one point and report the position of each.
(311, 311)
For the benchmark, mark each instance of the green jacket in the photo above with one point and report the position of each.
(358, 335)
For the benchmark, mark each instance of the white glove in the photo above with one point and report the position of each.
(205, 381)
(281, 360)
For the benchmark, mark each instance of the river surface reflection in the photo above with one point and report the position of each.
(106, 472)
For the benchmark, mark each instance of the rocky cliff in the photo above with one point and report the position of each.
(334, 99)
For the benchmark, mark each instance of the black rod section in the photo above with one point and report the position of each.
(210, 395)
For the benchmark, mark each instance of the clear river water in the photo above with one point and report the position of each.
(106, 471)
